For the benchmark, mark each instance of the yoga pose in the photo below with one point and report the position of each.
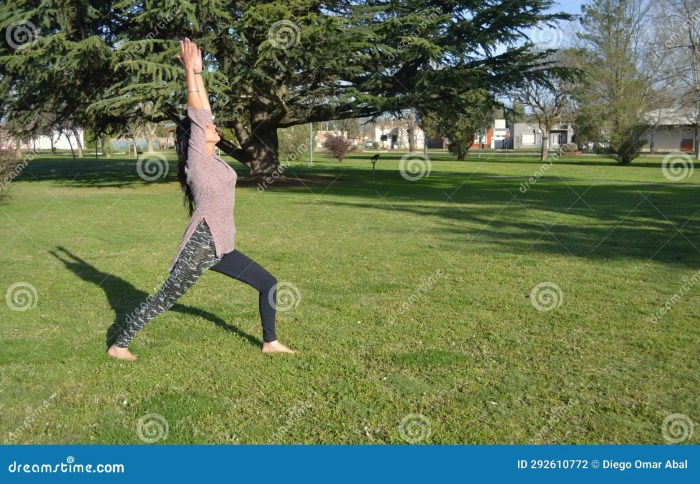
(209, 185)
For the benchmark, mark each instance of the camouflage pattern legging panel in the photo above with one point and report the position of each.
(197, 256)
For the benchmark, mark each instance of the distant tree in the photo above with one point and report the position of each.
(293, 142)
(459, 119)
(547, 100)
(614, 94)
(677, 57)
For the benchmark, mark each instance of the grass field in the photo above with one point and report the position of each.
(416, 317)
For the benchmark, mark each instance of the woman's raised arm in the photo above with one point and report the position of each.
(191, 57)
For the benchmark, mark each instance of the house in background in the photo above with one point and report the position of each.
(394, 135)
(496, 137)
(529, 135)
(61, 141)
(671, 130)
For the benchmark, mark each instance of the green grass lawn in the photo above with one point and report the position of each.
(414, 299)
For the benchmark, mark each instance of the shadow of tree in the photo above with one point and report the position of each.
(657, 221)
(123, 297)
(577, 217)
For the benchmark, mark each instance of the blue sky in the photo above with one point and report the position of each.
(570, 6)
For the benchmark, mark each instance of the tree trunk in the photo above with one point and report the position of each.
(697, 144)
(263, 148)
(545, 145)
(149, 141)
(78, 143)
(411, 140)
(72, 151)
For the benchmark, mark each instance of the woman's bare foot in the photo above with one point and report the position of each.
(276, 347)
(120, 353)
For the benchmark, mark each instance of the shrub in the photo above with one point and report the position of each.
(9, 168)
(337, 147)
(293, 142)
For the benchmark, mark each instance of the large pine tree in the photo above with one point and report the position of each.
(270, 64)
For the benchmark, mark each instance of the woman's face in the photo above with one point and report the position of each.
(212, 133)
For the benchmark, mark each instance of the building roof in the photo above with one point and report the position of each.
(672, 117)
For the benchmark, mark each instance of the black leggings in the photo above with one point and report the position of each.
(239, 266)
(197, 256)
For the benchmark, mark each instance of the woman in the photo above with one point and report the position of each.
(209, 186)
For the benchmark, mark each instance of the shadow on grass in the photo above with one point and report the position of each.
(123, 297)
(659, 222)
(576, 217)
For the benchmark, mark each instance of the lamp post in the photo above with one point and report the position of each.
(311, 144)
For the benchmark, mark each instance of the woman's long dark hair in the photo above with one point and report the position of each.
(182, 140)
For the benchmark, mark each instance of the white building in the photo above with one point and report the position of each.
(671, 130)
(395, 136)
(61, 141)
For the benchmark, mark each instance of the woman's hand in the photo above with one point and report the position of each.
(190, 56)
